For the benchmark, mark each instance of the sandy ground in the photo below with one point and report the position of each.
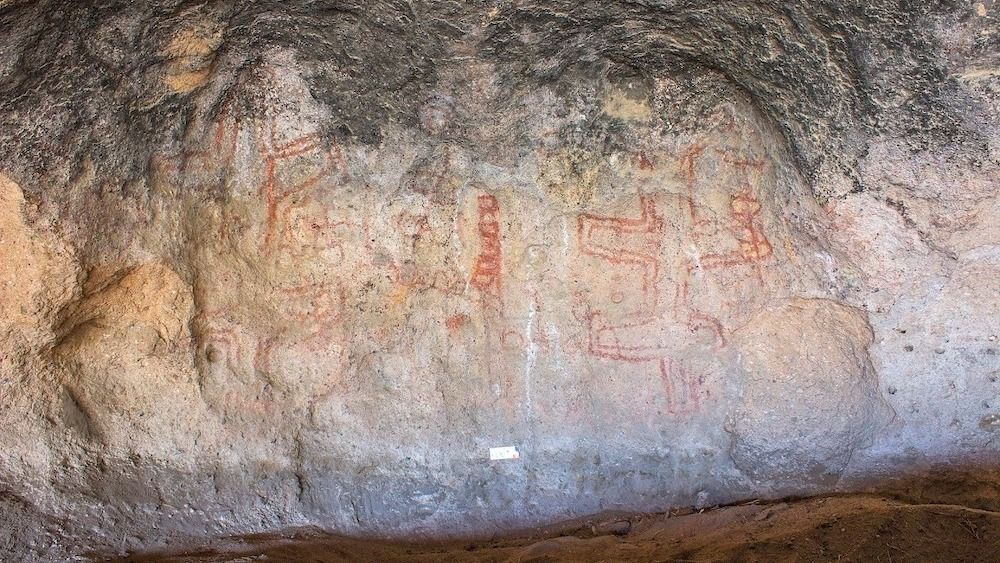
(897, 525)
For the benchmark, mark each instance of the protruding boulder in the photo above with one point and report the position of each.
(810, 395)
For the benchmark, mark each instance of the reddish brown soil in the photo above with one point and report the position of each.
(836, 528)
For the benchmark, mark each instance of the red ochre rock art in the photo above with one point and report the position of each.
(684, 387)
(666, 249)
(752, 245)
(202, 168)
(292, 169)
(487, 271)
(312, 323)
(310, 233)
(408, 254)
(731, 266)
(640, 333)
(266, 233)
(299, 351)
(456, 322)
(500, 342)
(634, 325)
(434, 175)
(286, 186)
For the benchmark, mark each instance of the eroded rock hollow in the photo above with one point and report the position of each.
(274, 264)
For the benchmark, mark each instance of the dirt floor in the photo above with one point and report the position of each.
(900, 524)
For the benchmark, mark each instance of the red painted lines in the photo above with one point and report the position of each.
(487, 272)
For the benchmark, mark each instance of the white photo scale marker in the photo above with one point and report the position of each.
(504, 452)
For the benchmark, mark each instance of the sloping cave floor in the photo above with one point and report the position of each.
(950, 517)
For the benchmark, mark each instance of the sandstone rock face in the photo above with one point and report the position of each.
(283, 263)
(810, 396)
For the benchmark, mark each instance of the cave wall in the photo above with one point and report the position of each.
(273, 264)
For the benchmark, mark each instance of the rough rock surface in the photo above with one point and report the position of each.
(271, 264)
(805, 407)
